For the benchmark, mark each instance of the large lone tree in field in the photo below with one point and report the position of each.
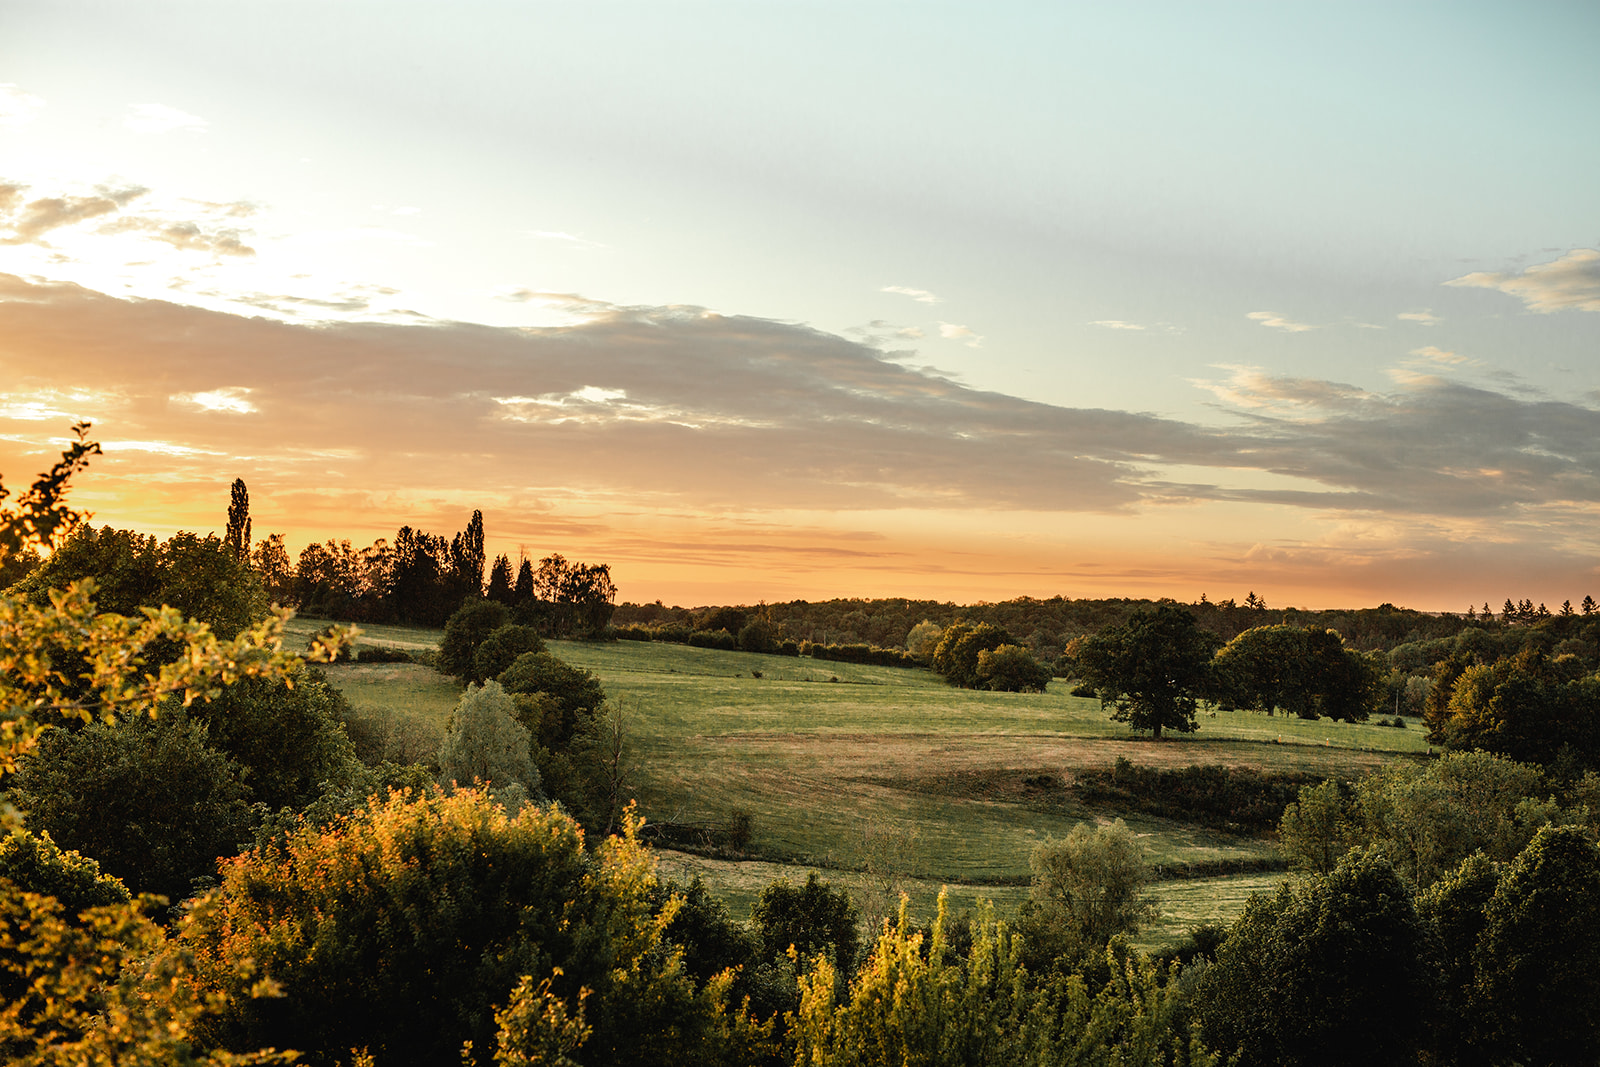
(1153, 668)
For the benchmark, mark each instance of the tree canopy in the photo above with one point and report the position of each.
(1153, 669)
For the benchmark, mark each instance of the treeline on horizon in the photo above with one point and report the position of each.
(1048, 627)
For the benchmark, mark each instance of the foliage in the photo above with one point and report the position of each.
(236, 541)
(1153, 669)
(915, 1001)
(1427, 820)
(103, 989)
(397, 929)
(576, 693)
(812, 919)
(34, 863)
(503, 647)
(1319, 827)
(149, 800)
(1306, 671)
(1538, 958)
(1234, 799)
(500, 581)
(923, 639)
(285, 735)
(465, 631)
(570, 597)
(41, 517)
(1011, 669)
(1522, 708)
(1454, 906)
(1086, 888)
(956, 656)
(758, 635)
(1332, 971)
(485, 743)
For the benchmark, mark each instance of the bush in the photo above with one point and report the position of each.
(35, 864)
(464, 631)
(150, 801)
(633, 633)
(485, 743)
(1011, 669)
(719, 639)
(383, 654)
(398, 930)
(502, 648)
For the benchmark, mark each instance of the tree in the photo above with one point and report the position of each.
(465, 631)
(1538, 958)
(237, 539)
(1454, 906)
(524, 591)
(272, 565)
(1086, 888)
(1329, 972)
(956, 656)
(503, 647)
(574, 597)
(286, 736)
(1306, 671)
(467, 559)
(34, 863)
(1588, 605)
(1011, 669)
(485, 743)
(1319, 827)
(923, 640)
(576, 694)
(500, 581)
(1154, 668)
(813, 919)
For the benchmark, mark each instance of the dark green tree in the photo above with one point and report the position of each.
(500, 581)
(1337, 970)
(465, 632)
(1538, 958)
(1454, 906)
(288, 740)
(1011, 669)
(573, 696)
(237, 539)
(956, 656)
(1153, 669)
(523, 592)
(814, 918)
(503, 647)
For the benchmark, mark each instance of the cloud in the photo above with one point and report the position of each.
(1278, 322)
(159, 118)
(30, 220)
(563, 237)
(921, 296)
(1426, 317)
(683, 408)
(231, 401)
(1116, 324)
(1569, 283)
(17, 106)
(1435, 354)
(183, 235)
(951, 331)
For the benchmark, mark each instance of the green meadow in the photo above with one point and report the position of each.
(825, 756)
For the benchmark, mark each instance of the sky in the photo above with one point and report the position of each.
(764, 300)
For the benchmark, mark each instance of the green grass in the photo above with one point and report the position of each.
(820, 753)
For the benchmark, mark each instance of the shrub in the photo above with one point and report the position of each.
(149, 800)
(399, 929)
(383, 654)
(1011, 669)
(464, 631)
(36, 864)
(719, 639)
(485, 743)
(502, 648)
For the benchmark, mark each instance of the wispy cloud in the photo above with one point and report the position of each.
(18, 107)
(563, 237)
(1278, 322)
(159, 118)
(29, 220)
(1425, 317)
(1116, 324)
(230, 401)
(1569, 283)
(921, 296)
(1435, 354)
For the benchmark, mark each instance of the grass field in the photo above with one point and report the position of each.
(821, 753)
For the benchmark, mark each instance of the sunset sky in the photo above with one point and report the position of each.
(767, 300)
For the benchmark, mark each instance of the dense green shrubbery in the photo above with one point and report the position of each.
(1237, 799)
(718, 639)
(864, 654)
